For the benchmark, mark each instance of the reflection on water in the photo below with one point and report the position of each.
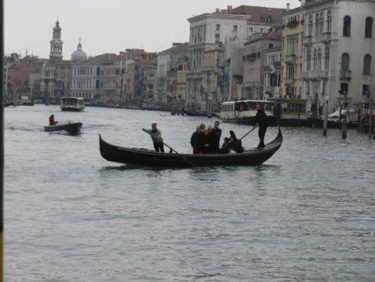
(306, 214)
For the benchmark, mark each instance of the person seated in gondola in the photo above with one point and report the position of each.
(52, 120)
(234, 143)
(231, 143)
(225, 148)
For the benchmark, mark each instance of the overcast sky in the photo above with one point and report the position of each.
(107, 26)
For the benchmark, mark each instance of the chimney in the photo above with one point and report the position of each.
(217, 10)
(229, 8)
(287, 6)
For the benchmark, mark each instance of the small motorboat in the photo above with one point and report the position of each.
(72, 127)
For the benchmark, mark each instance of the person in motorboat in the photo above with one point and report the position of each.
(261, 121)
(52, 120)
(155, 134)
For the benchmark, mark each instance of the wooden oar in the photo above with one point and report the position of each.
(189, 162)
(247, 133)
(185, 159)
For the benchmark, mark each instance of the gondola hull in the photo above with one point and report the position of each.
(150, 158)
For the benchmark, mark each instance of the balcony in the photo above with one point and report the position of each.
(345, 75)
(289, 81)
(326, 37)
(290, 59)
(307, 40)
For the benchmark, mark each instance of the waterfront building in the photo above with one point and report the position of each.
(291, 63)
(212, 78)
(109, 88)
(231, 77)
(171, 64)
(208, 31)
(253, 56)
(272, 73)
(136, 61)
(338, 55)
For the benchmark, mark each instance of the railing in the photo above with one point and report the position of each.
(290, 59)
(345, 74)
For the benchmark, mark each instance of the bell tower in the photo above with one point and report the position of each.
(55, 54)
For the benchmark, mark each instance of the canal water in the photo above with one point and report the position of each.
(307, 214)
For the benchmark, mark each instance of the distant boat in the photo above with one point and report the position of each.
(244, 111)
(73, 104)
(195, 113)
(70, 127)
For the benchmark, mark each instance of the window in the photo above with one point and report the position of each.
(235, 28)
(317, 24)
(217, 38)
(347, 23)
(315, 59)
(308, 59)
(217, 27)
(321, 23)
(367, 64)
(368, 28)
(326, 61)
(329, 21)
(319, 62)
(310, 26)
(345, 62)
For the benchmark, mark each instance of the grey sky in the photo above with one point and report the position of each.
(107, 26)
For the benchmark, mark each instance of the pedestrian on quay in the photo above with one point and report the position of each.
(155, 134)
(261, 121)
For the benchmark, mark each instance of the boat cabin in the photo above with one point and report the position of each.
(234, 110)
(72, 104)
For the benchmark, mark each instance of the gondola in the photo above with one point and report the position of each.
(150, 158)
(71, 127)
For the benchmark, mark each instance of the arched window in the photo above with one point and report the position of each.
(317, 24)
(367, 64)
(347, 23)
(321, 23)
(345, 62)
(315, 59)
(329, 21)
(310, 26)
(368, 28)
(308, 59)
(319, 62)
(326, 61)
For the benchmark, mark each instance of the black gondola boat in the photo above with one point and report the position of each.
(150, 158)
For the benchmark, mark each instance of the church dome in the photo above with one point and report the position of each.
(79, 55)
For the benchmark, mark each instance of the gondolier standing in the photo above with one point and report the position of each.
(155, 134)
(261, 121)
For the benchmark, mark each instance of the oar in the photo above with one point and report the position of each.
(185, 159)
(247, 133)
(189, 162)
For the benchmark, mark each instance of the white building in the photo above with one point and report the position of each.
(339, 47)
(210, 30)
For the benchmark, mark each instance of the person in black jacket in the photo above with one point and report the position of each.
(261, 121)
(194, 140)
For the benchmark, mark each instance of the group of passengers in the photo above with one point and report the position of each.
(206, 140)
